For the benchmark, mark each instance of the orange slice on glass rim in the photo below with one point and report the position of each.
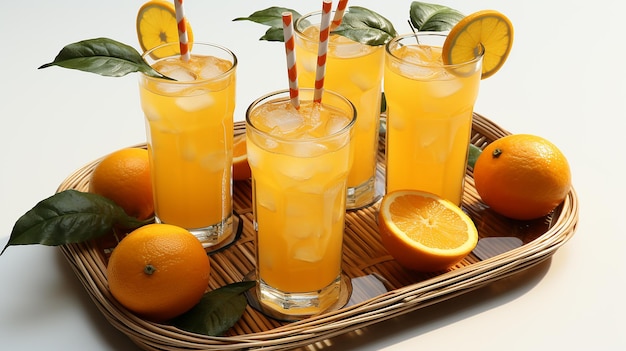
(424, 232)
(490, 28)
(156, 25)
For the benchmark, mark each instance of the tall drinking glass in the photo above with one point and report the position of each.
(429, 115)
(189, 124)
(300, 161)
(355, 71)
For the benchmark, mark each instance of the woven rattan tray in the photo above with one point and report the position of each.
(382, 289)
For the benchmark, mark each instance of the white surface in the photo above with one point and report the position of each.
(564, 80)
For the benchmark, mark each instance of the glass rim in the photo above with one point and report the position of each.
(197, 81)
(268, 96)
(299, 32)
(480, 55)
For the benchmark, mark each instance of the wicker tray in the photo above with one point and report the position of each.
(382, 289)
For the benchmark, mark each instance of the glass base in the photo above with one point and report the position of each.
(362, 195)
(290, 307)
(215, 236)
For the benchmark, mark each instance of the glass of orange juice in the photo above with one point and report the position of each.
(300, 159)
(429, 115)
(189, 123)
(355, 71)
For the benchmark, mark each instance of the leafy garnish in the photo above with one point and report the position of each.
(217, 311)
(272, 17)
(366, 27)
(432, 17)
(359, 24)
(474, 152)
(69, 217)
(103, 56)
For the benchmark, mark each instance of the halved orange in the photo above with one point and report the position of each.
(241, 168)
(490, 28)
(423, 231)
(156, 25)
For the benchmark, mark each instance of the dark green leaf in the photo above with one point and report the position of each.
(474, 152)
(217, 311)
(274, 34)
(366, 27)
(434, 18)
(102, 56)
(272, 17)
(69, 217)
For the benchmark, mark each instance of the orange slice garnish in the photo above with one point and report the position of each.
(489, 28)
(156, 25)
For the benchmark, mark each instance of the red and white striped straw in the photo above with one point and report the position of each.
(341, 8)
(291, 59)
(322, 50)
(181, 21)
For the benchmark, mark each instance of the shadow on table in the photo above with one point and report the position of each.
(435, 316)
(419, 322)
(110, 336)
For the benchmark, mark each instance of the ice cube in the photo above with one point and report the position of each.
(313, 248)
(335, 124)
(308, 150)
(287, 125)
(265, 198)
(283, 121)
(423, 54)
(151, 112)
(417, 71)
(177, 72)
(253, 156)
(420, 61)
(214, 162)
(211, 67)
(309, 65)
(347, 50)
(195, 103)
(362, 82)
(270, 144)
(210, 71)
(188, 151)
(298, 170)
(444, 88)
(308, 254)
(396, 123)
(298, 231)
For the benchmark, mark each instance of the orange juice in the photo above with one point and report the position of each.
(190, 136)
(429, 117)
(300, 161)
(355, 71)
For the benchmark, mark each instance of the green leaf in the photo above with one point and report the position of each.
(102, 56)
(274, 34)
(474, 152)
(366, 27)
(273, 17)
(217, 311)
(432, 17)
(68, 217)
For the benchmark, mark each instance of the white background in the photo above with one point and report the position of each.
(564, 80)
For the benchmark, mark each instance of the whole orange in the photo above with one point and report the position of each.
(159, 271)
(124, 177)
(522, 176)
